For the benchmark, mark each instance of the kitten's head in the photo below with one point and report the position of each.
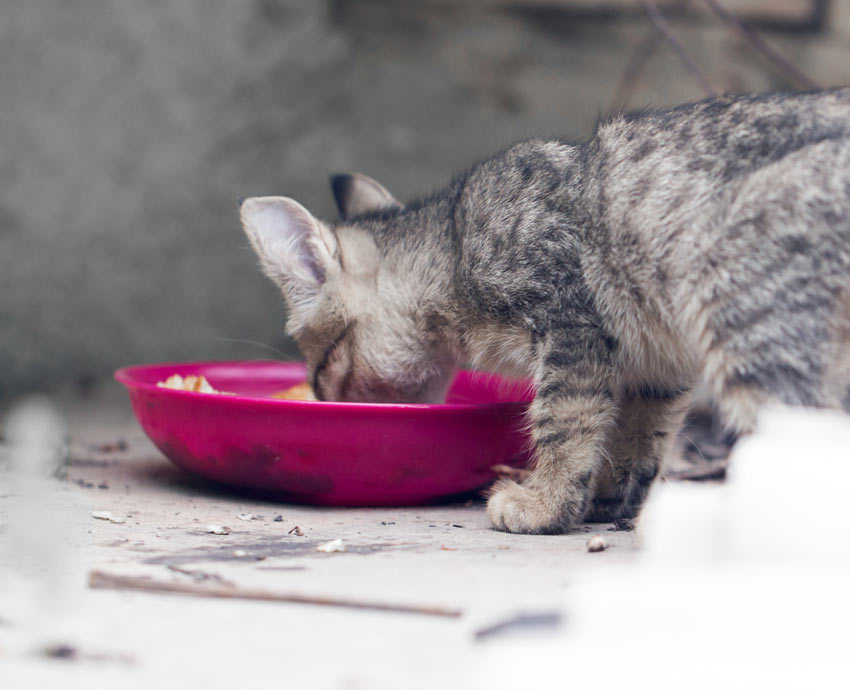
(359, 320)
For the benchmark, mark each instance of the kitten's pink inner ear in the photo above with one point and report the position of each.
(295, 250)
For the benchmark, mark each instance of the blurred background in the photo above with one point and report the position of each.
(129, 129)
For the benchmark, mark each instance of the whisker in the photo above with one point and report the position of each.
(285, 356)
(695, 446)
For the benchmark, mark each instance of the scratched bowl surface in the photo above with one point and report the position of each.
(327, 453)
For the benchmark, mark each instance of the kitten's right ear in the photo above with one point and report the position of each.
(296, 250)
(357, 193)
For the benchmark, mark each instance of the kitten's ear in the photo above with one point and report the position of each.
(356, 194)
(297, 251)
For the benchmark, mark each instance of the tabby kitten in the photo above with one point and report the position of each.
(706, 242)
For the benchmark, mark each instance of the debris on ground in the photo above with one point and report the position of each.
(107, 515)
(200, 575)
(67, 652)
(522, 622)
(622, 525)
(61, 651)
(111, 447)
(79, 461)
(278, 518)
(218, 529)
(596, 543)
(247, 517)
(296, 531)
(331, 546)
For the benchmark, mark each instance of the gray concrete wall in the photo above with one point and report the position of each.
(129, 129)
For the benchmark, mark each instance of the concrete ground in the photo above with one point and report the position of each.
(55, 628)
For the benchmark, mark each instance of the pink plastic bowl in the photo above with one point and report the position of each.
(330, 453)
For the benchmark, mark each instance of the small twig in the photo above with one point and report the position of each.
(545, 621)
(637, 63)
(101, 580)
(663, 27)
(761, 46)
(200, 576)
(626, 86)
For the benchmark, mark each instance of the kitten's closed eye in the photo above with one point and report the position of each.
(334, 365)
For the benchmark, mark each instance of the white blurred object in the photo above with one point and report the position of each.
(33, 538)
(788, 488)
(40, 572)
(736, 583)
(36, 438)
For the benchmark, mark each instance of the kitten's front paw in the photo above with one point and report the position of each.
(522, 510)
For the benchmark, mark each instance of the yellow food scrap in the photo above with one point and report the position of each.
(196, 384)
(301, 391)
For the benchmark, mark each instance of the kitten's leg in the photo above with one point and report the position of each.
(571, 418)
(764, 348)
(650, 417)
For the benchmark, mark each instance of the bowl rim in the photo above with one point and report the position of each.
(126, 376)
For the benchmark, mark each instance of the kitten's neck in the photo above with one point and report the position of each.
(488, 253)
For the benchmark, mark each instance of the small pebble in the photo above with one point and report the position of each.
(107, 515)
(61, 651)
(218, 529)
(596, 543)
(331, 546)
(278, 518)
(246, 516)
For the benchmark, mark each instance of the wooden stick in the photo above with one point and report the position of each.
(663, 27)
(761, 46)
(102, 580)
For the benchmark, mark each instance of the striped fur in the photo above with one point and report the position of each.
(709, 242)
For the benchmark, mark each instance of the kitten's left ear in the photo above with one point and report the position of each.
(357, 193)
(297, 251)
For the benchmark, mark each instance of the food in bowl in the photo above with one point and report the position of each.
(196, 384)
(301, 391)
